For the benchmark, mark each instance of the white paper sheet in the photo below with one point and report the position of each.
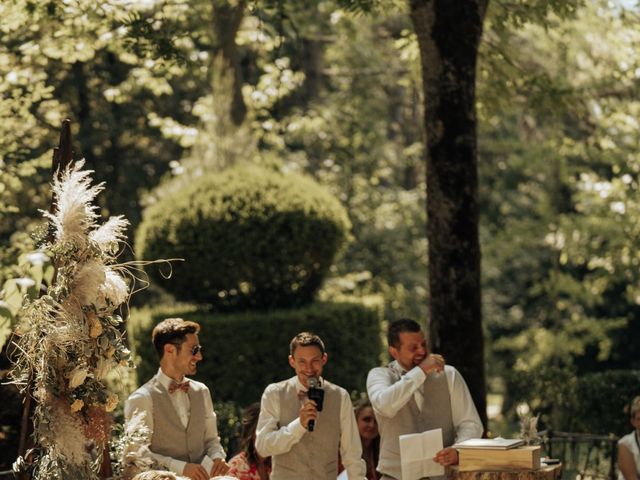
(207, 463)
(416, 454)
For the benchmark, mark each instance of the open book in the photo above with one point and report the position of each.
(416, 454)
(498, 443)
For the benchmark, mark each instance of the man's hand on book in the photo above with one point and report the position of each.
(447, 456)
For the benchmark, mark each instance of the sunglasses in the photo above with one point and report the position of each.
(195, 350)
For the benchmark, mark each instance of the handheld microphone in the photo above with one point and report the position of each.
(315, 393)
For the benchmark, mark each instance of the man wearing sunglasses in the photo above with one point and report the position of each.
(179, 411)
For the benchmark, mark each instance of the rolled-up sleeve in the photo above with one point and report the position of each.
(389, 396)
(212, 444)
(271, 437)
(464, 413)
(350, 443)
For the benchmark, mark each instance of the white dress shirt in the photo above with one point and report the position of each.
(388, 398)
(631, 443)
(274, 439)
(140, 401)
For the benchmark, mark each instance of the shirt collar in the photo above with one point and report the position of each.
(165, 380)
(397, 368)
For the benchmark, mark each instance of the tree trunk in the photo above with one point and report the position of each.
(448, 35)
(227, 19)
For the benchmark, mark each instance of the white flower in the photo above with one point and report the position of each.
(37, 258)
(25, 282)
(114, 289)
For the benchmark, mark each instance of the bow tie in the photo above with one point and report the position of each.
(184, 386)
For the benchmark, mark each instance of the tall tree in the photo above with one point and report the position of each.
(449, 36)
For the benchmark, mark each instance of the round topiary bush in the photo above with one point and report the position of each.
(250, 238)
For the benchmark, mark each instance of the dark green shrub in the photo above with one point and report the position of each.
(229, 416)
(601, 399)
(250, 238)
(244, 352)
(592, 403)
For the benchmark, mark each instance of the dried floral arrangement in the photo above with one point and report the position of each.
(68, 339)
(130, 448)
(529, 429)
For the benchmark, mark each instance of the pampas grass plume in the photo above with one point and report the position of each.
(88, 282)
(74, 213)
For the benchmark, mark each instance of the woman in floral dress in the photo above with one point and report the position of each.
(248, 464)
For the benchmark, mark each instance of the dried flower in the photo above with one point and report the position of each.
(88, 281)
(77, 377)
(114, 289)
(74, 213)
(529, 428)
(95, 326)
(64, 340)
(77, 405)
(97, 425)
(112, 402)
(110, 233)
(132, 447)
(102, 368)
(67, 439)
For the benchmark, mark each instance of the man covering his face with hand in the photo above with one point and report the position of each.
(415, 393)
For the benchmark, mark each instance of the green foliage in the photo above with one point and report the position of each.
(32, 273)
(559, 168)
(244, 352)
(360, 136)
(338, 96)
(518, 13)
(229, 416)
(592, 403)
(249, 237)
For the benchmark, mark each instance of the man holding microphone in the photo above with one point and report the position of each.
(302, 440)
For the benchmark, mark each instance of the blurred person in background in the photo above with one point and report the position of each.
(369, 436)
(629, 446)
(248, 464)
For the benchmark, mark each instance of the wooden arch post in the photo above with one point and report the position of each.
(62, 157)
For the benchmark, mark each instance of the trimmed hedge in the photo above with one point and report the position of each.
(601, 399)
(251, 238)
(592, 403)
(244, 352)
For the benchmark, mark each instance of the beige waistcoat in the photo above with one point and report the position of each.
(315, 456)
(436, 413)
(170, 437)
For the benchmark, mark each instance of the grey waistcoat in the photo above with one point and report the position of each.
(170, 437)
(436, 413)
(315, 456)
